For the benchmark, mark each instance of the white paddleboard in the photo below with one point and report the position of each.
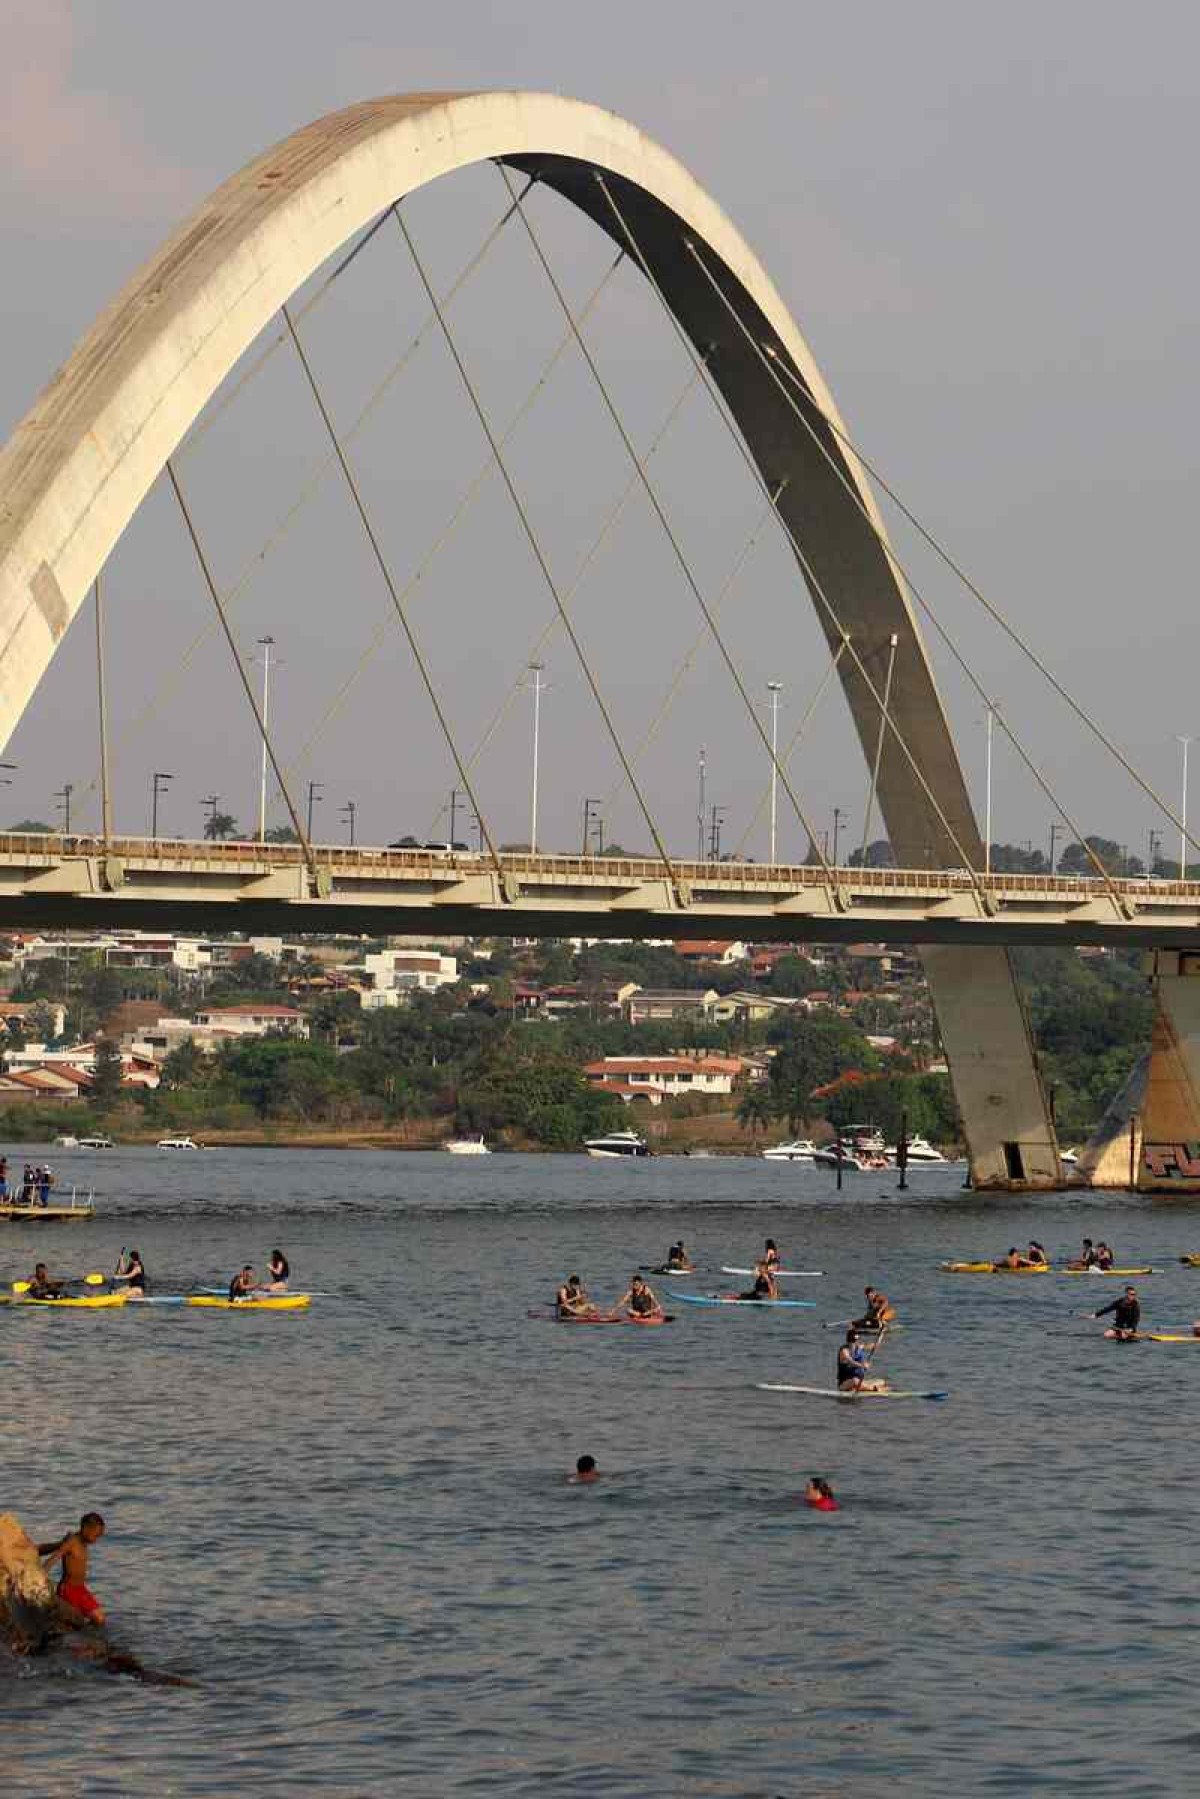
(849, 1393)
(795, 1274)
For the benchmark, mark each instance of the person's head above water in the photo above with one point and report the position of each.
(585, 1469)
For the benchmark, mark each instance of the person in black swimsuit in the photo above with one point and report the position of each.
(764, 1284)
(131, 1270)
(242, 1284)
(278, 1273)
(1127, 1315)
(640, 1300)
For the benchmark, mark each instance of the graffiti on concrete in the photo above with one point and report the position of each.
(1171, 1161)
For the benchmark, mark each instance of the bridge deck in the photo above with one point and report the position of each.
(53, 881)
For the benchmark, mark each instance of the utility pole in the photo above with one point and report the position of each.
(591, 813)
(1056, 831)
(837, 825)
(536, 669)
(456, 794)
(700, 815)
(213, 802)
(1185, 741)
(159, 786)
(714, 840)
(774, 688)
(1152, 849)
(315, 791)
(987, 810)
(266, 644)
(348, 812)
(63, 796)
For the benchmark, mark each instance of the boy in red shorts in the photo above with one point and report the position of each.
(72, 1552)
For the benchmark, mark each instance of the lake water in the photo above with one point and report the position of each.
(352, 1526)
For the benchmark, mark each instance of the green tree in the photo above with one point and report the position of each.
(106, 1078)
(812, 1050)
(184, 1066)
(281, 834)
(755, 1110)
(219, 826)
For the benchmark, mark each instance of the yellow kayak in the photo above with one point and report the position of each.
(278, 1302)
(989, 1268)
(1190, 1261)
(92, 1302)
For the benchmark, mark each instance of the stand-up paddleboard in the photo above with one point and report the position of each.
(849, 1393)
(277, 1302)
(793, 1274)
(731, 1299)
(552, 1316)
(680, 1274)
(1111, 1273)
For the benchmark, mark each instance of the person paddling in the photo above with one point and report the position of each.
(1035, 1255)
(72, 1552)
(278, 1273)
(678, 1260)
(765, 1286)
(853, 1366)
(42, 1287)
(1127, 1315)
(131, 1270)
(243, 1283)
(1086, 1257)
(571, 1300)
(640, 1301)
(879, 1311)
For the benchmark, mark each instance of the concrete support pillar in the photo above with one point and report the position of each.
(1169, 1161)
(1112, 1157)
(990, 1052)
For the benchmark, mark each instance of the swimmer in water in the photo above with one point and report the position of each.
(819, 1494)
(586, 1471)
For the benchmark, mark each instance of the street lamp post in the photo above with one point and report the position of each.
(987, 808)
(456, 794)
(159, 785)
(348, 812)
(63, 796)
(1056, 831)
(536, 669)
(774, 688)
(714, 840)
(1152, 848)
(837, 825)
(213, 802)
(266, 644)
(1185, 741)
(591, 812)
(700, 814)
(315, 790)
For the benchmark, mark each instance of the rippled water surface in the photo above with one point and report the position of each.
(352, 1527)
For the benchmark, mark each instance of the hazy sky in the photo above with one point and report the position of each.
(983, 221)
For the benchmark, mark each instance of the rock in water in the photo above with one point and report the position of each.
(27, 1606)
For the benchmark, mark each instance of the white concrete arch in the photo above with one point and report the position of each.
(82, 460)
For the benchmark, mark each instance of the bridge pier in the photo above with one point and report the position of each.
(1168, 1160)
(989, 1048)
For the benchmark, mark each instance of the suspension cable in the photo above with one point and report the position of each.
(240, 665)
(793, 744)
(810, 576)
(385, 571)
(900, 573)
(553, 623)
(535, 546)
(284, 523)
(456, 517)
(883, 719)
(668, 530)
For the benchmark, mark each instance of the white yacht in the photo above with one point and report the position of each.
(800, 1149)
(617, 1143)
(467, 1146)
(99, 1141)
(919, 1150)
(176, 1143)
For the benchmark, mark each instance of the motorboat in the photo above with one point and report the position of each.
(98, 1141)
(1068, 1157)
(66, 1141)
(467, 1146)
(800, 1149)
(177, 1143)
(616, 1143)
(858, 1161)
(919, 1150)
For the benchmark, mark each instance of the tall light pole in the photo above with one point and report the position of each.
(315, 789)
(1185, 741)
(774, 688)
(700, 810)
(159, 786)
(213, 802)
(266, 644)
(348, 812)
(591, 811)
(63, 796)
(837, 825)
(456, 794)
(1056, 830)
(536, 669)
(987, 808)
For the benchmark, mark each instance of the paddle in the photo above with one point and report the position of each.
(872, 1354)
(71, 1280)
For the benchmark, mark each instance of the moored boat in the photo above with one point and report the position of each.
(617, 1143)
(799, 1149)
(467, 1146)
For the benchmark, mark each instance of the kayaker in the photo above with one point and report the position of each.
(585, 1472)
(640, 1300)
(764, 1287)
(1035, 1255)
(678, 1260)
(819, 1494)
(72, 1552)
(278, 1273)
(880, 1311)
(243, 1283)
(1127, 1315)
(1012, 1260)
(571, 1300)
(131, 1270)
(1086, 1257)
(1104, 1256)
(42, 1287)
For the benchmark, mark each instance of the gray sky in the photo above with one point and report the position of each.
(982, 221)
